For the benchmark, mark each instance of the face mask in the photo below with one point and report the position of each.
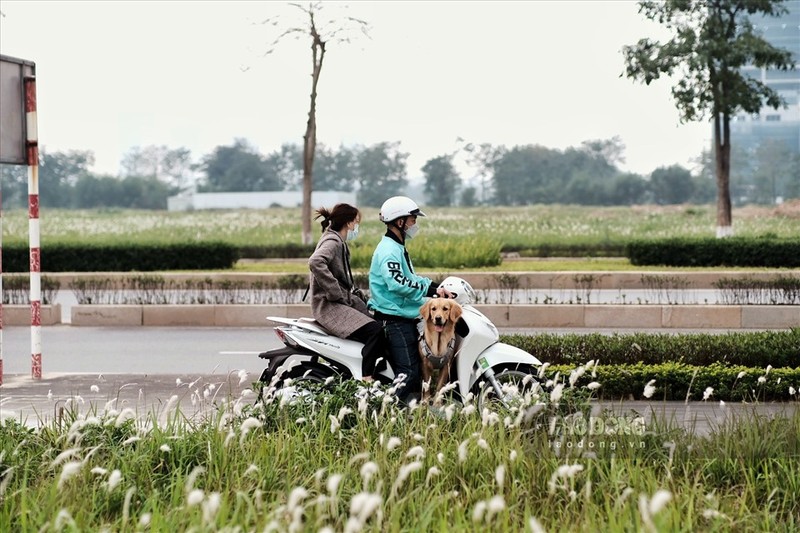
(410, 232)
(352, 233)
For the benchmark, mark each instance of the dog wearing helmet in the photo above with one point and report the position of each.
(397, 292)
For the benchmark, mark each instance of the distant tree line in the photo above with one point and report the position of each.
(498, 175)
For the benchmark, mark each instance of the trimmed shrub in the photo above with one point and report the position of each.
(678, 381)
(124, 257)
(752, 349)
(733, 251)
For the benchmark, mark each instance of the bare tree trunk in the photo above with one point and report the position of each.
(310, 138)
(722, 153)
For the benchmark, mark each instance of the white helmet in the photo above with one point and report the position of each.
(399, 206)
(461, 290)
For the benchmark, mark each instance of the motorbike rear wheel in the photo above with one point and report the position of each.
(519, 386)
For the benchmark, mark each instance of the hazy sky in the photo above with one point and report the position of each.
(112, 75)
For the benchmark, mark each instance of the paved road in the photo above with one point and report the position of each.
(143, 368)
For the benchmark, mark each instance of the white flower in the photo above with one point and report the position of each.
(649, 389)
(211, 506)
(496, 504)
(792, 391)
(535, 526)
(69, 470)
(164, 448)
(740, 375)
(593, 385)
(362, 506)
(296, 497)
(114, 479)
(500, 476)
(762, 380)
(393, 443)
(333, 483)
(707, 393)
(555, 394)
(368, 469)
(250, 423)
(178, 382)
(479, 511)
(417, 452)
(462, 451)
(194, 497)
(659, 500)
(432, 471)
(242, 376)
(145, 519)
(708, 514)
(94, 388)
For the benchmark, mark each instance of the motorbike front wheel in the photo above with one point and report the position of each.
(518, 385)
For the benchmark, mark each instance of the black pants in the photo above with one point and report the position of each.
(374, 352)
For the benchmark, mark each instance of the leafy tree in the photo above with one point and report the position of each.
(441, 181)
(381, 173)
(469, 197)
(712, 40)
(529, 174)
(14, 181)
(671, 185)
(239, 168)
(98, 191)
(776, 173)
(333, 170)
(58, 172)
(482, 158)
(339, 169)
(320, 34)
(171, 165)
(609, 150)
(628, 189)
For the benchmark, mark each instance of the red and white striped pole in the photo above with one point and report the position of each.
(32, 145)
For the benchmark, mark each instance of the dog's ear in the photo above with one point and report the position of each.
(455, 311)
(425, 310)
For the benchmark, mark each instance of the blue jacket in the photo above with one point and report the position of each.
(394, 287)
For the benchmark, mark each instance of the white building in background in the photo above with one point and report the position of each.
(256, 200)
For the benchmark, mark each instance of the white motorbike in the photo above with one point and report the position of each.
(484, 367)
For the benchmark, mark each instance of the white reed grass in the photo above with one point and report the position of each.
(114, 479)
(67, 471)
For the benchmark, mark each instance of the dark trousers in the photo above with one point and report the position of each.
(402, 340)
(374, 352)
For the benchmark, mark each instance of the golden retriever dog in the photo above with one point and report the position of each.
(437, 342)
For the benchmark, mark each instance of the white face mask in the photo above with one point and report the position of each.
(412, 231)
(352, 233)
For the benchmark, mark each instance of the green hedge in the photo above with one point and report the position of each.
(752, 349)
(674, 380)
(732, 251)
(123, 257)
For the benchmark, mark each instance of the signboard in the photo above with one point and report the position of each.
(13, 132)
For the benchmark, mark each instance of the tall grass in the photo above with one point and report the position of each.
(350, 460)
(513, 227)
